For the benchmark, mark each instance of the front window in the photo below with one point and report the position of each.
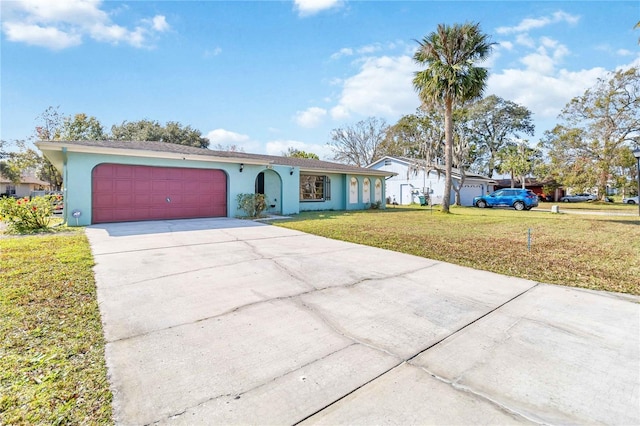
(315, 188)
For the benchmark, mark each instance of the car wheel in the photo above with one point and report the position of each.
(481, 204)
(566, 200)
(518, 205)
(631, 202)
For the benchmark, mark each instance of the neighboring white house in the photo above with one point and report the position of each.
(410, 182)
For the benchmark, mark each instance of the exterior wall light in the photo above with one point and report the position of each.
(291, 171)
(241, 167)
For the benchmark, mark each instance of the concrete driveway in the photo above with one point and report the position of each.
(224, 321)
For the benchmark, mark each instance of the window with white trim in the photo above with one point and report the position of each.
(366, 191)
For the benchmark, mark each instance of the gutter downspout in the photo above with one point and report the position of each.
(64, 187)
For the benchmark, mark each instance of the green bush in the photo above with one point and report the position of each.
(252, 204)
(24, 215)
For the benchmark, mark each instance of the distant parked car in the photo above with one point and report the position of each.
(631, 200)
(576, 198)
(519, 199)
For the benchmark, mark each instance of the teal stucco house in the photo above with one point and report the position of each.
(121, 181)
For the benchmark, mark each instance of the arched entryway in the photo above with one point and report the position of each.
(269, 183)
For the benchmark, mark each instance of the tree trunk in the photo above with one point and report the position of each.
(492, 162)
(448, 152)
(602, 184)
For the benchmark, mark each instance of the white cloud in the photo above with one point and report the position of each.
(539, 63)
(345, 51)
(529, 24)
(67, 11)
(227, 138)
(543, 94)
(63, 23)
(160, 23)
(223, 136)
(214, 52)
(340, 112)
(368, 49)
(311, 7)
(542, 84)
(525, 40)
(546, 56)
(507, 45)
(624, 52)
(48, 37)
(277, 147)
(382, 87)
(311, 117)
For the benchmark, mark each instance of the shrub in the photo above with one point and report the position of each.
(252, 204)
(24, 215)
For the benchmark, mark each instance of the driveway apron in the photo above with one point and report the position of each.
(226, 321)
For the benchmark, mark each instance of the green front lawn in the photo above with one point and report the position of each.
(589, 251)
(594, 206)
(52, 368)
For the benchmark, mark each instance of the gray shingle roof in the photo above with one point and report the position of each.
(302, 163)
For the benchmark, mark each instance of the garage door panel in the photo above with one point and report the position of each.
(121, 185)
(104, 185)
(176, 186)
(142, 199)
(123, 200)
(103, 200)
(126, 192)
(144, 173)
(192, 187)
(123, 172)
(192, 199)
(159, 185)
(141, 185)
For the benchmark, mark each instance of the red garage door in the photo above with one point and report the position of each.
(124, 193)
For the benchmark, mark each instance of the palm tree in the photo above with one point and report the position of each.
(451, 77)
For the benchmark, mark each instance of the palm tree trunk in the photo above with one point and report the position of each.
(448, 152)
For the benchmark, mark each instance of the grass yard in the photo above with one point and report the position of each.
(593, 206)
(589, 251)
(52, 368)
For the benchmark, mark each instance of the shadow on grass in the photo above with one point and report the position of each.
(624, 222)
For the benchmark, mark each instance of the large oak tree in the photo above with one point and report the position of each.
(590, 147)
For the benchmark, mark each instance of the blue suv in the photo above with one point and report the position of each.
(519, 199)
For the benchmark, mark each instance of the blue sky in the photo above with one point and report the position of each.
(275, 74)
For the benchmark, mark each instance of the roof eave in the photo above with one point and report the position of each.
(58, 146)
(53, 147)
(349, 172)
